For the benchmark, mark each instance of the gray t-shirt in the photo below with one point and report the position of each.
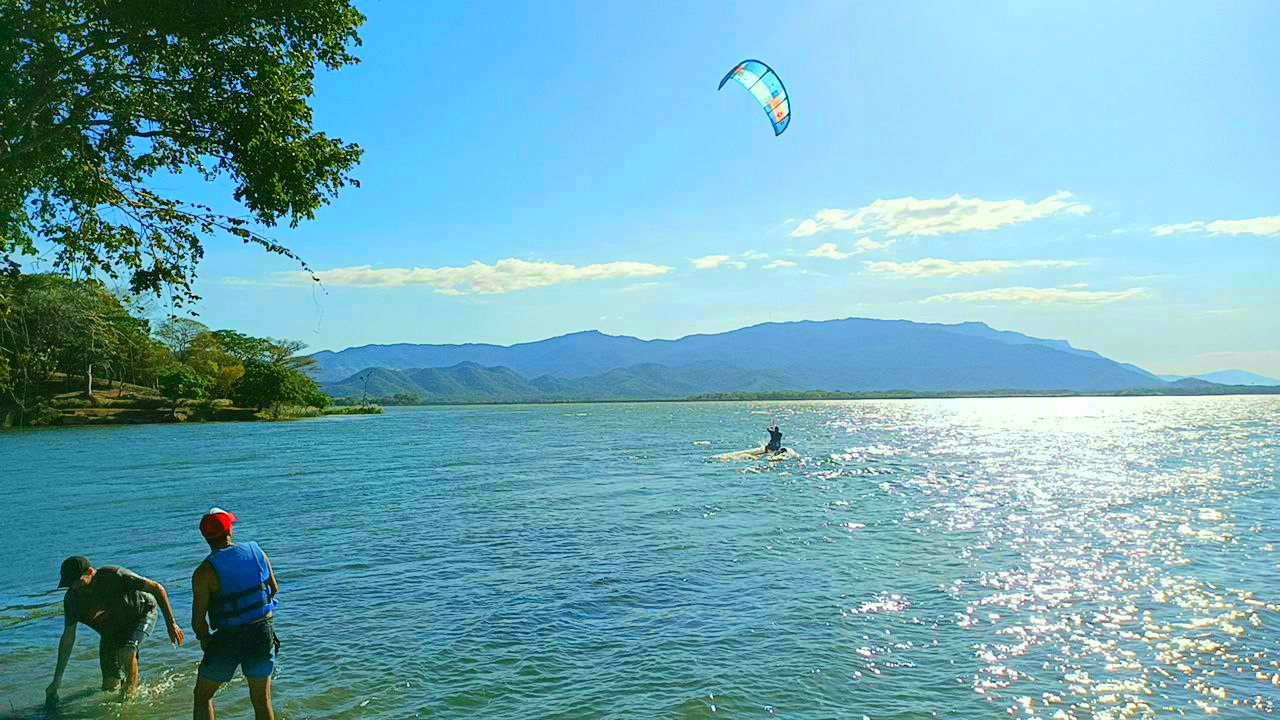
(115, 599)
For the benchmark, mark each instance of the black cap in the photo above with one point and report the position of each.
(72, 568)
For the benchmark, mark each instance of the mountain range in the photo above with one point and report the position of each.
(1226, 377)
(850, 355)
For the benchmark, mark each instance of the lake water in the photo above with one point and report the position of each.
(1094, 557)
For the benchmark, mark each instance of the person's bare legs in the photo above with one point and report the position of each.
(204, 699)
(260, 696)
(127, 657)
(109, 662)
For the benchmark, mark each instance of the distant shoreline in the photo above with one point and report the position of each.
(880, 395)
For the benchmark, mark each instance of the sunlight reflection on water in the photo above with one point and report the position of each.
(1054, 558)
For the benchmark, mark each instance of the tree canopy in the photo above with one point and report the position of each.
(98, 97)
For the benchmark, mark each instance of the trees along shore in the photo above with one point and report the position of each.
(72, 352)
(97, 100)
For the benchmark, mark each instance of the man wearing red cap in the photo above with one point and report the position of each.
(236, 588)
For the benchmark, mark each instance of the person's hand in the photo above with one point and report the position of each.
(175, 635)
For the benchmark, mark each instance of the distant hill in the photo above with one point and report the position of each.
(1193, 382)
(1228, 377)
(840, 356)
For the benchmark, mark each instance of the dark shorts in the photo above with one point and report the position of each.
(250, 647)
(114, 641)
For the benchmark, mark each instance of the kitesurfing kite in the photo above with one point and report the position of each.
(762, 82)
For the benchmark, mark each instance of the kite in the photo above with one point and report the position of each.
(761, 81)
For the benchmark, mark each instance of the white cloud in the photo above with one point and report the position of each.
(753, 255)
(1268, 226)
(944, 216)
(807, 228)
(934, 267)
(831, 251)
(503, 276)
(1041, 296)
(711, 262)
(639, 287)
(779, 265)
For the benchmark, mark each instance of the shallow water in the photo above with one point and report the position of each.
(1082, 557)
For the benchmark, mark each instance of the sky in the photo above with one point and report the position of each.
(1100, 172)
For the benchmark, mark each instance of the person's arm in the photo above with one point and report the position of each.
(156, 590)
(201, 592)
(65, 645)
(271, 577)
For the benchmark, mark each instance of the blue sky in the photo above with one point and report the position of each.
(1060, 169)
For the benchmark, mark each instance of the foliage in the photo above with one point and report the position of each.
(307, 392)
(268, 350)
(262, 385)
(55, 333)
(50, 324)
(99, 98)
(182, 382)
(265, 384)
(354, 410)
(178, 334)
(281, 411)
(208, 357)
(398, 399)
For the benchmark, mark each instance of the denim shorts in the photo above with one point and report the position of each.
(248, 647)
(124, 638)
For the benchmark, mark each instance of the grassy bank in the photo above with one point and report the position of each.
(354, 410)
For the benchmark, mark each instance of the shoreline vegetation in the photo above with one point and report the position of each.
(123, 403)
(73, 352)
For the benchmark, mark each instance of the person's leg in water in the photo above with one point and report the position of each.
(109, 663)
(127, 660)
(258, 666)
(204, 693)
(260, 696)
(127, 653)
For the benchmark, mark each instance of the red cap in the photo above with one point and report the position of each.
(216, 523)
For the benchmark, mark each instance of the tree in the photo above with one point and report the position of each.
(180, 383)
(206, 356)
(277, 352)
(307, 392)
(266, 384)
(262, 385)
(54, 324)
(178, 334)
(97, 98)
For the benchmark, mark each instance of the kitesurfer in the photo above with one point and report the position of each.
(236, 587)
(121, 607)
(775, 439)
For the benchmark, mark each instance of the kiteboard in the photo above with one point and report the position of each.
(758, 453)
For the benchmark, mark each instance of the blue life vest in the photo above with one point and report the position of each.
(243, 593)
